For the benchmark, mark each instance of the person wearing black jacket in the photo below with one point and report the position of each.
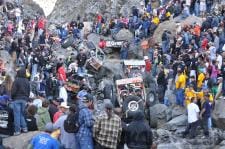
(162, 84)
(81, 60)
(30, 118)
(20, 96)
(138, 134)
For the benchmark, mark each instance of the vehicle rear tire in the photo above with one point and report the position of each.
(151, 99)
(133, 103)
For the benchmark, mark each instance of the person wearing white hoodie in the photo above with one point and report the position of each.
(63, 93)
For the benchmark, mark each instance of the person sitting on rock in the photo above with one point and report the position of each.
(30, 118)
(43, 116)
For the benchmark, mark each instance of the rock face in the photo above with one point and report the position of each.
(171, 26)
(32, 9)
(175, 123)
(46, 5)
(177, 111)
(124, 34)
(158, 115)
(70, 9)
(219, 114)
(19, 142)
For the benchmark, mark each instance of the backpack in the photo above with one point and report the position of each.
(71, 124)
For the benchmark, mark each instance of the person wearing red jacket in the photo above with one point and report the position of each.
(148, 64)
(102, 44)
(41, 25)
(61, 73)
(204, 43)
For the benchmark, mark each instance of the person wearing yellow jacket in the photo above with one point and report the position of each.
(180, 86)
(156, 20)
(189, 94)
(200, 80)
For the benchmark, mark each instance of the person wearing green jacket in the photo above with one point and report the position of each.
(43, 116)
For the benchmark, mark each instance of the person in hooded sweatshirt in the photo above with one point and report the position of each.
(138, 134)
(43, 116)
(20, 95)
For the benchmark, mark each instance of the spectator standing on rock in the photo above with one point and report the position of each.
(20, 96)
(148, 65)
(86, 122)
(180, 85)
(107, 129)
(81, 60)
(41, 25)
(165, 42)
(206, 114)
(193, 117)
(162, 84)
(138, 134)
(124, 50)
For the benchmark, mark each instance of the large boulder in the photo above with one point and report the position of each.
(175, 123)
(171, 26)
(158, 115)
(95, 38)
(177, 111)
(218, 115)
(19, 142)
(163, 133)
(124, 34)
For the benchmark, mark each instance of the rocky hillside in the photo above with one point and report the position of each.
(70, 9)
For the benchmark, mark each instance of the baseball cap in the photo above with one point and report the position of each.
(88, 97)
(145, 57)
(59, 100)
(109, 105)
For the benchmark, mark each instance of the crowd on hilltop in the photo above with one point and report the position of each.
(38, 97)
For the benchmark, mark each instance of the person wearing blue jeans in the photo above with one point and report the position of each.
(19, 120)
(20, 94)
(180, 97)
(81, 70)
(85, 142)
